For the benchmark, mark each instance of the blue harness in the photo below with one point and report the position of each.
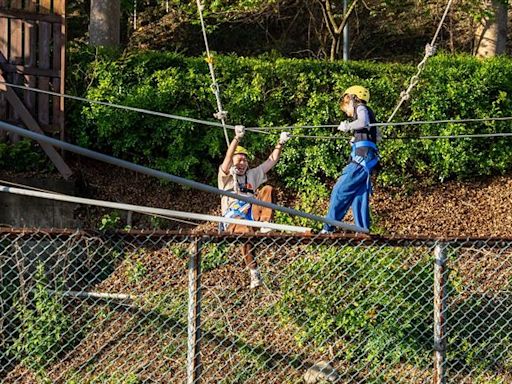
(240, 209)
(368, 165)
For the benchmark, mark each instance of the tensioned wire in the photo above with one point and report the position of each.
(120, 106)
(166, 213)
(30, 188)
(266, 129)
(403, 123)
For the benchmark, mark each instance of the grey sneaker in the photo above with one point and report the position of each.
(325, 232)
(256, 279)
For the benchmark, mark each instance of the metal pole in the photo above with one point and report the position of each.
(439, 314)
(166, 176)
(134, 15)
(165, 213)
(194, 314)
(346, 41)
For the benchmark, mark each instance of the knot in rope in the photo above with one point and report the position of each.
(221, 115)
(404, 95)
(430, 50)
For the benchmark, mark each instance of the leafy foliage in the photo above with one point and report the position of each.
(43, 325)
(23, 156)
(275, 91)
(376, 317)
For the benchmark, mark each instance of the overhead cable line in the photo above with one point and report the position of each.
(429, 51)
(221, 114)
(175, 179)
(119, 106)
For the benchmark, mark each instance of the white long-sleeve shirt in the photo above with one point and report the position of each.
(362, 121)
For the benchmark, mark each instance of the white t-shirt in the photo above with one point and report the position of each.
(252, 179)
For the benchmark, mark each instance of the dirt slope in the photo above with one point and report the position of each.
(465, 209)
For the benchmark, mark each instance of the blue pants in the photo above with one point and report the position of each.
(352, 188)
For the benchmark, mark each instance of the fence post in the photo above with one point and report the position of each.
(194, 313)
(439, 314)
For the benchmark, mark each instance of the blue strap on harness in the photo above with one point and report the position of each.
(238, 212)
(370, 164)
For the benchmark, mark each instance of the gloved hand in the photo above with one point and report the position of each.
(239, 131)
(284, 137)
(343, 127)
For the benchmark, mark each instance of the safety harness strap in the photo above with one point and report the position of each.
(368, 165)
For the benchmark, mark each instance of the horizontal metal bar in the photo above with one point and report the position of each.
(150, 210)
(169, 177)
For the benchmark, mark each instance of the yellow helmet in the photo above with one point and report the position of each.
(361, 92)
(239, 150)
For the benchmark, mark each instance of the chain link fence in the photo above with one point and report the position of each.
(84, 307)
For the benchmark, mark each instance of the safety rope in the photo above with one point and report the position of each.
(429, 51)
(221, 114)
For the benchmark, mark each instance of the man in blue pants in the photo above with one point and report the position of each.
(353, 188)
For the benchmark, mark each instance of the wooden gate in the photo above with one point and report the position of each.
(32, 54)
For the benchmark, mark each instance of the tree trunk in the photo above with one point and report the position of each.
(104, 25)
(491, 34)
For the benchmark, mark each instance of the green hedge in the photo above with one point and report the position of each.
(270, 91)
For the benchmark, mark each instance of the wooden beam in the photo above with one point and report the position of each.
(29, 16)
(30, 71)
(32, 124)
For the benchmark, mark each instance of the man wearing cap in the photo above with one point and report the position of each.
(236, 176)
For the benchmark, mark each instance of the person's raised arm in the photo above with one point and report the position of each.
(276, 153)
(228, 159)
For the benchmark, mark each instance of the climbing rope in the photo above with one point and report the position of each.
(429, 51)
(221, 114)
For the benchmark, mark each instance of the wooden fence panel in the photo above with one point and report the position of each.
(32, 53)
(4, 46)
(32, 39)
(30, 49)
